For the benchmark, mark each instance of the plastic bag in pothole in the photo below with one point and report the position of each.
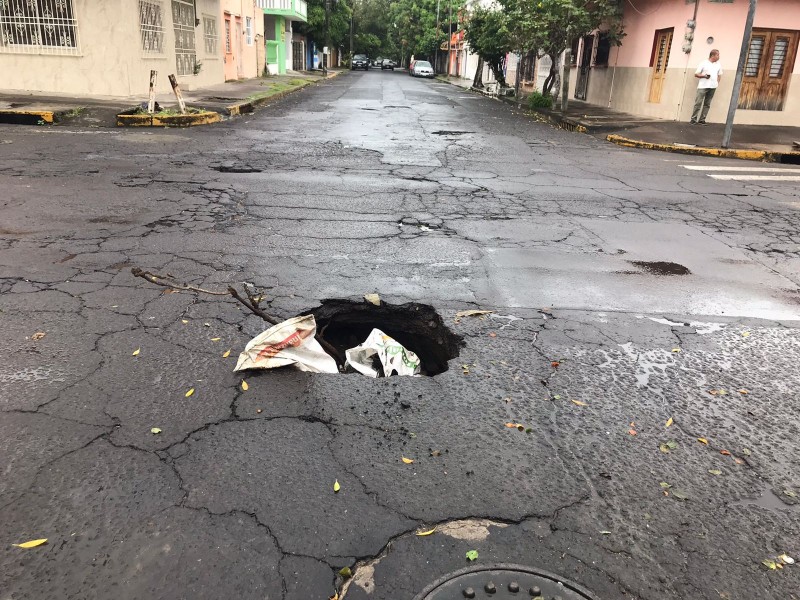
(394, 357)
(290, 342)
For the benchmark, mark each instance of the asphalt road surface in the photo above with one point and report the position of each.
(644, 338)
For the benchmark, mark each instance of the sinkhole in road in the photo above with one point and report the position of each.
(418, 327)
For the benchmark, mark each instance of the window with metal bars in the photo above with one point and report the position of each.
(248, 31)
(210, 35)
(38, 27)
(183, 25)
(151, 26)
(227, 36)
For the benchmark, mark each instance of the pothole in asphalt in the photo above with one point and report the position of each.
(503, 581)
(418, 327)
(661, 268)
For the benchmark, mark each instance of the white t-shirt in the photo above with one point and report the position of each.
(707, 67)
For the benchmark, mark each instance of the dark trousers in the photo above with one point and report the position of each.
(702, 102)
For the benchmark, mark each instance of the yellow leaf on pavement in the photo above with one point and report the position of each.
(473, 313)
(227, 353)
(408, 461)
(669, 422)
(424, 533)
(579, 403)
(155, 430)
(676, 350)
(373, 299)
(215, 339)
(184, 321)
(31, 544)
(189, 393)
(244, 385)
(703, 441)
(136, 352)
(336, 486)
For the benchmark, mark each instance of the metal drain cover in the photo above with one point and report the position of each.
(501, 582)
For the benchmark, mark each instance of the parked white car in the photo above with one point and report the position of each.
(422, 68)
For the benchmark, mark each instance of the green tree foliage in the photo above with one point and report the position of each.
(414, 27)
(339, 22)
(488, 36)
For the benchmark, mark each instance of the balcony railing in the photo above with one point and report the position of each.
(286, 6)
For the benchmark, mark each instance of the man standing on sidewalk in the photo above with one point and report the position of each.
(709, 72)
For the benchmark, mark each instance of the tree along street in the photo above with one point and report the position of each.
(625, 418)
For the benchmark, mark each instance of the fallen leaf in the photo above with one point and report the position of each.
(515, 425)
(227, 353)
(787, 559)
(155, 430)
(715, 471)
(189, 393)
(215, 339)
(672, 444)
(424, 533)
(492, 334)
(680, 495)
(31, 544)
(665, 485)
(206, 324)
(605, 533)
(746, 334)
(743, 391)
(632, 431)
(436, 452)
(38, 335)
(408, 461)
(184, 321)
(557, 397)
(703, 441)
(473, 313)
(724, 452)
(345, 572)
(676, 349)
(472, 555)
(373, 299)
(579, 403)
(136, 352)
(746, 451)
(770, 564)
(334, 597)
(664, 448)
(555, 364)
(790, 493)
(245, 387)
(336, 486)
(669, 422)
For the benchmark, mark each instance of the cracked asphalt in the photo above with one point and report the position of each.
(423, 192)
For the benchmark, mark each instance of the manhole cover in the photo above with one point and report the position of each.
(503, 581)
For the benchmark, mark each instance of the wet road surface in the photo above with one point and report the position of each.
(630, 288)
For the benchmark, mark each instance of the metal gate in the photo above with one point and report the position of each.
(297, 56)
(183, 23)
(582, 83)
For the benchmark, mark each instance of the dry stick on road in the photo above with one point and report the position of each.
(251, 303)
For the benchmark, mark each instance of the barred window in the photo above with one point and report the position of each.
(38, 27)
(227, 36)
(151, 26)
(210, 34)
(183, 26)
(248, 30)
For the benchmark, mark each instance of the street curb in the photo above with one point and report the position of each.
(249, 106)
(190, 120)
(29, 117)
(744, 154)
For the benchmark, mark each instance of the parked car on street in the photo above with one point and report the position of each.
(360, 61)
(387, 63)
(377, 62)
(422, 68)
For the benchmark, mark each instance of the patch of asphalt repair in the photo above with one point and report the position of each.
(234, 496)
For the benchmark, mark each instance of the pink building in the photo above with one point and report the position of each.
(242, 39)
(652, 73)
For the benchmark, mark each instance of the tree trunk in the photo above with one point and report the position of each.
(520, 69)
(478, 81)
(497, 70)
(552, 76)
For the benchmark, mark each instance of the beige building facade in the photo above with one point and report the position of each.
(108, 47)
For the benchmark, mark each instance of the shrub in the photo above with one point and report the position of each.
(538, 100)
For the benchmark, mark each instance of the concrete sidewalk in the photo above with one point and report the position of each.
(228, 99)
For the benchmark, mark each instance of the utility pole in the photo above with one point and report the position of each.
(327, 49)
(449, 36)
(352, 15)
(436, 56)
(737, 82)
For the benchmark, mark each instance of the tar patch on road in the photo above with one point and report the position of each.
(661, 268)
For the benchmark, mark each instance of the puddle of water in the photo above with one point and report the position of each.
(769, 500)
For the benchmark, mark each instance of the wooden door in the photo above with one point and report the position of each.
(584, 67)
(659, 61)
(768, 69)
(239, 49)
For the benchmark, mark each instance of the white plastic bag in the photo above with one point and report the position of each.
(395, 359)
(291, 342)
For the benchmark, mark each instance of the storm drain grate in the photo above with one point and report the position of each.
(501, 582)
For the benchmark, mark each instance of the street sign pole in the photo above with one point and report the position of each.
(737, 82)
